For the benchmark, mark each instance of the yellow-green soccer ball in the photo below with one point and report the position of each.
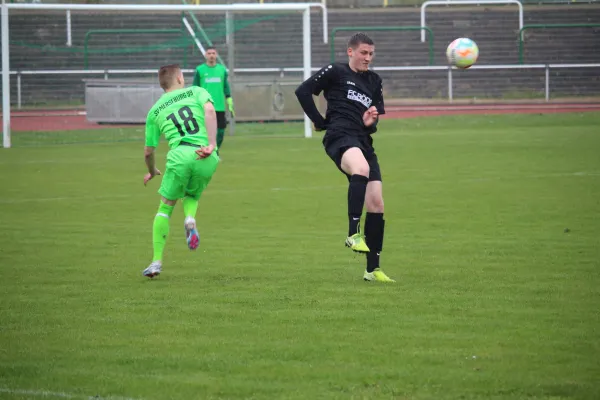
(462, 53)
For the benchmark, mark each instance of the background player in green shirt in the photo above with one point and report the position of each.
(213, 77)
(186, 116)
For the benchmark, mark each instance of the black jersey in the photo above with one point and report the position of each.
(349, 94)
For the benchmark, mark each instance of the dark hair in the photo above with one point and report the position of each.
(167, 75)
(211, 48)
(358, 38)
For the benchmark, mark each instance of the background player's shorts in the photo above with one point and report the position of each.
(221, 120)
(186, 176)
(337, 144)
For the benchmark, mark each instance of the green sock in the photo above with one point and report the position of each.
(220, 137)
(190, 206)
(160, 230)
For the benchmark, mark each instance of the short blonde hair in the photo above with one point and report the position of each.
(167, 74)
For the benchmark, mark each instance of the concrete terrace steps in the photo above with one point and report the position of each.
(495, 30)
(266, 44)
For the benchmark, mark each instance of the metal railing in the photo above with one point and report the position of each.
(198, 29)
(107, 73)
(329, 3)
(382, 28)
(547, 26)
(93, 32)
(467, 2)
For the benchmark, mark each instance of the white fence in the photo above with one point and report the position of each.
(20, 76)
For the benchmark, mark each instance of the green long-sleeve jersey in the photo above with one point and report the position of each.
(214, 80)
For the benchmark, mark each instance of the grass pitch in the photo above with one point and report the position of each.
(493, 233)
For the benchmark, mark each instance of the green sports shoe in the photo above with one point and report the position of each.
(357, 243)
(377, 276)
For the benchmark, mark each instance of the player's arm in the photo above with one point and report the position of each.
(227, 92)
(313, 86)
(210, 123)
(378, 98)
(152, 138)
(226, 87)
(377, 108)
(196, 78)
(150, 159)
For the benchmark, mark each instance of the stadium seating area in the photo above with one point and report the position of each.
(41, 37)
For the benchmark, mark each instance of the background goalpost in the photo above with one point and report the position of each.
(72, 12)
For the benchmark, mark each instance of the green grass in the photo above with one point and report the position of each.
(72, 104)
(135, 133)
(494, 299)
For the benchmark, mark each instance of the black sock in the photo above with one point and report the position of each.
(356, 200)
(220, 137)
(374, 227)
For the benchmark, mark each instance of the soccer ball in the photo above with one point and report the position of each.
(462, 53)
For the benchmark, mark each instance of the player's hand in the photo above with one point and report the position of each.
(230, 106)
(322, 127)
(370, 116)
(149, 176)
(205, 151)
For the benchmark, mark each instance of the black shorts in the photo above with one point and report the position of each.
(336, 146)
(221, 120)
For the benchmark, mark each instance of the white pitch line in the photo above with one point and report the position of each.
(68, 198)
(39, 393)
(540, 176)
(62, 395)
(69, 161)
(492, 107)
(291, 189)
(153, 192)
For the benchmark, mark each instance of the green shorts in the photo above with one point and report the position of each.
(185, 175)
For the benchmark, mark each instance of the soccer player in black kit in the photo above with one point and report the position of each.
(354, 102)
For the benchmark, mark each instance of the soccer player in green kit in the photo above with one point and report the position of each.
(186, 116)
(213, 77)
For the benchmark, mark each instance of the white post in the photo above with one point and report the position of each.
(5, 79)
(450, 93)
(467, 2)
(69, 41)
(325, 24)
(304, 7)
(547, 83)
(18, 90)
(306, 64)
(230, 40)
(193, 35)
(228, 26)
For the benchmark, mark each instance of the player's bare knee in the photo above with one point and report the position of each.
(374, 197)
(361, 170)
(374, 204)
(354, 163)
(360, 167)
(377, 208)
(167, 201)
